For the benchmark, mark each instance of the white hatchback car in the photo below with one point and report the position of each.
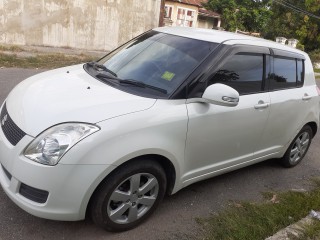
(171, 107)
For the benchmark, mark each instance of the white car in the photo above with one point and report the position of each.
(171, 107)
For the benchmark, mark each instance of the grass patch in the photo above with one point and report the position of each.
(246, 221)
(12, 48)
(317, 70)
(42, 61)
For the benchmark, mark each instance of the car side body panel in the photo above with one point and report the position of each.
(220, 137)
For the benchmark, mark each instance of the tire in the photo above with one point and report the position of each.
(298, 148)
(129, 195)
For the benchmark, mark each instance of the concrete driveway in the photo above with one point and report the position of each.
(175, 218)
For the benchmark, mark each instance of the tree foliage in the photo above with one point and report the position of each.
(272, 19)
(288, 23)
(246, 15)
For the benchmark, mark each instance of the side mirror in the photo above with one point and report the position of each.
(221, 94)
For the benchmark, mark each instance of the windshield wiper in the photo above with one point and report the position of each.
(100, 67)
(131, 82)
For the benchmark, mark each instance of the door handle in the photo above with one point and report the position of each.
(306, 97)
(261, 105)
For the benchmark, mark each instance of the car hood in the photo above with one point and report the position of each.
(68, 95)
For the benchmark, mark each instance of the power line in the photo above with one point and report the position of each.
(296, 9)
(299, 9)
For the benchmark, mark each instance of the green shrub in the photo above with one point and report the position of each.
(315, 55)
(300, 46)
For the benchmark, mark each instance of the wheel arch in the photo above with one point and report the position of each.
(314, 128)
(166, 164)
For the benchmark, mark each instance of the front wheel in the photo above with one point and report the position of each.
(129, 195)
(298, 148)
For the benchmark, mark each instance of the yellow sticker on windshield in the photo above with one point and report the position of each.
(168, 76)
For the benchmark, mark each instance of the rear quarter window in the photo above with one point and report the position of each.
(300, 72)
(287, 73)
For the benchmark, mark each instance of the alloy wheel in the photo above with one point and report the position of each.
(299, 147)
(133, 198)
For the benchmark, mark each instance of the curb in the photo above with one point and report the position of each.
(296, 229)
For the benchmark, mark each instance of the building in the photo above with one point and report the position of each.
(86, 24)
(190, 13)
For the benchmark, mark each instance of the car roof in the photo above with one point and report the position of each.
(209, 35)
(225, 37)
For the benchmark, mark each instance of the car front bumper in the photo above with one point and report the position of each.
(60, 192)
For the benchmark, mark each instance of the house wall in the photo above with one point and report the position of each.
(208, 22)
(205, 23)
(176, 5)
(200, 22)
(86, 24)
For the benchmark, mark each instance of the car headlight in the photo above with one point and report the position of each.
(49, 147)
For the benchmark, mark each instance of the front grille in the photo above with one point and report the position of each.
(12, 132)
(9, 176)
(33, 194)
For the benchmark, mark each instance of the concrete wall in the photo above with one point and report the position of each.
(87, 24)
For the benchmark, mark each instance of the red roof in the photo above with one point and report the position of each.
(207, 13)
(191, 2)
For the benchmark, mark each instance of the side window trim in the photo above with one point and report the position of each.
(296, 72)
(303, 72)
(286, 54)
(268, 66)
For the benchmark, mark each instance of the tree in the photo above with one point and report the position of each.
(289, 23)
(272, 19)
(245, 15)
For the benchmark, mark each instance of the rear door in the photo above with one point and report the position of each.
(291, 102)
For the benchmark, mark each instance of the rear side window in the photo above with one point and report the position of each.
(243, 72)
(288, 73)
(300, 72)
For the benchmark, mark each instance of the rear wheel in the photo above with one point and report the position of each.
(298, 148)
(129, 195)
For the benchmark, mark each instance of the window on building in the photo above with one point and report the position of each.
(168, 11)
(243, 72)
(185, 17)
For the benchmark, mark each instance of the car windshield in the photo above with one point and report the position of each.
(156, 59)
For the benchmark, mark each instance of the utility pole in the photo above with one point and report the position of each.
(161, 17)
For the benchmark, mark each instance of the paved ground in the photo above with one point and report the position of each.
(175, 218)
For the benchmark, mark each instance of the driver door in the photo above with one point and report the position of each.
(220, 137)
